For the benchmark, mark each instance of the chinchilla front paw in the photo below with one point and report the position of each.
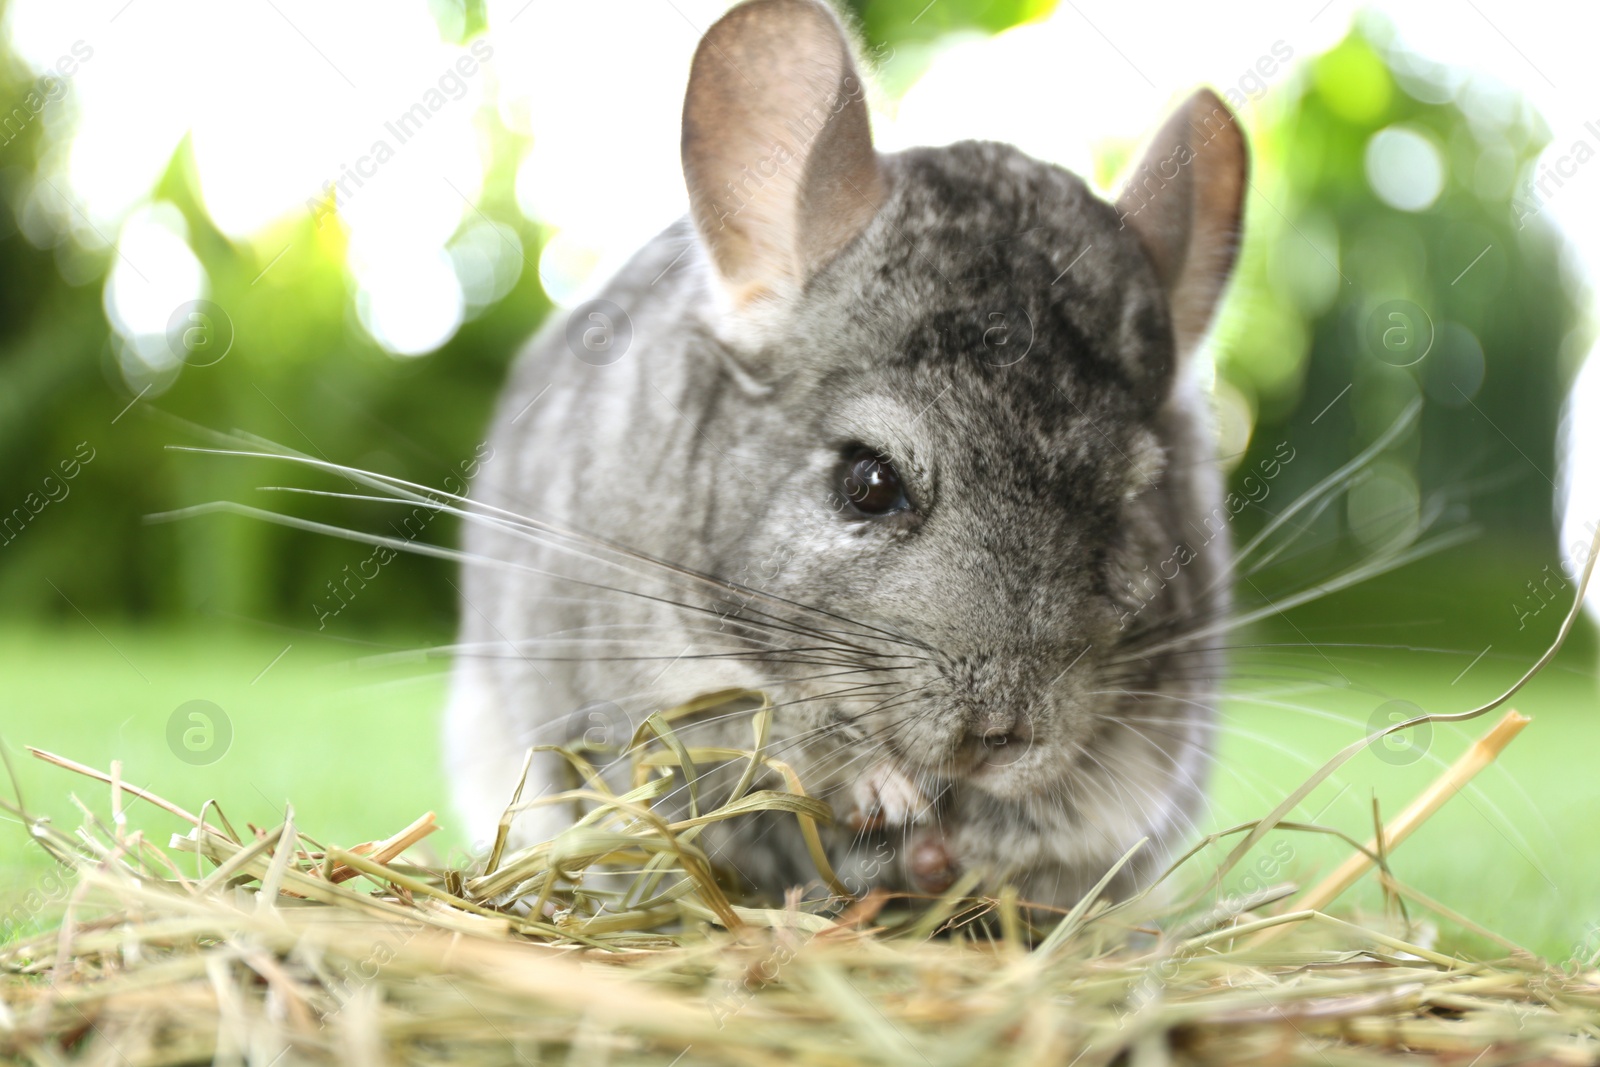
(885, 797)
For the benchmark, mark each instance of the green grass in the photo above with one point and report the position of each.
(1518, 851)
(355, 749)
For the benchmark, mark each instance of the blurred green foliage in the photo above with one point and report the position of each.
(301, 372)
(896, 21)
(1323, 251)
(1325, 258)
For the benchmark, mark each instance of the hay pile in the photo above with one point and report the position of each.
(270, 948)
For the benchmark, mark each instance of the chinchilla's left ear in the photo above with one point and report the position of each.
(1185, 201)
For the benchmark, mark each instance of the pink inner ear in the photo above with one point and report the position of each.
(1184, 201)
(777, 148)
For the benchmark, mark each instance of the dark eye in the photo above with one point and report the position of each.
(870, 483)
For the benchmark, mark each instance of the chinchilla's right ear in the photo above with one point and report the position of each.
(777, 149)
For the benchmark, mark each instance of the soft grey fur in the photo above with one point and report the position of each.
(1018, 601)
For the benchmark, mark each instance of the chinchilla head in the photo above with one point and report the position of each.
(963, 424)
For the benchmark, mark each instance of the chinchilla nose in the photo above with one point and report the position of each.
(994, 729)
(991, 692)
(993, 723)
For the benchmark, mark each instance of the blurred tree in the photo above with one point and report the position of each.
(1339, 226)
(1385, 262)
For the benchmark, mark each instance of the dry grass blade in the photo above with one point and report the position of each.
(1483, 752)
(618, 942)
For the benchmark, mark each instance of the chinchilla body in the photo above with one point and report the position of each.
(908, 443)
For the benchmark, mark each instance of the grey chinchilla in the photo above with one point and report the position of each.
(908, 442)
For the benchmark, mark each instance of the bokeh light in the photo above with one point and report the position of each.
(1405, 168)
(285, 108)
(153, 272)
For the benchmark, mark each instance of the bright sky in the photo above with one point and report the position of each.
(281, 97)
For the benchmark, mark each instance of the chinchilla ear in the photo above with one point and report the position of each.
(1184, 201)
(777, 149)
